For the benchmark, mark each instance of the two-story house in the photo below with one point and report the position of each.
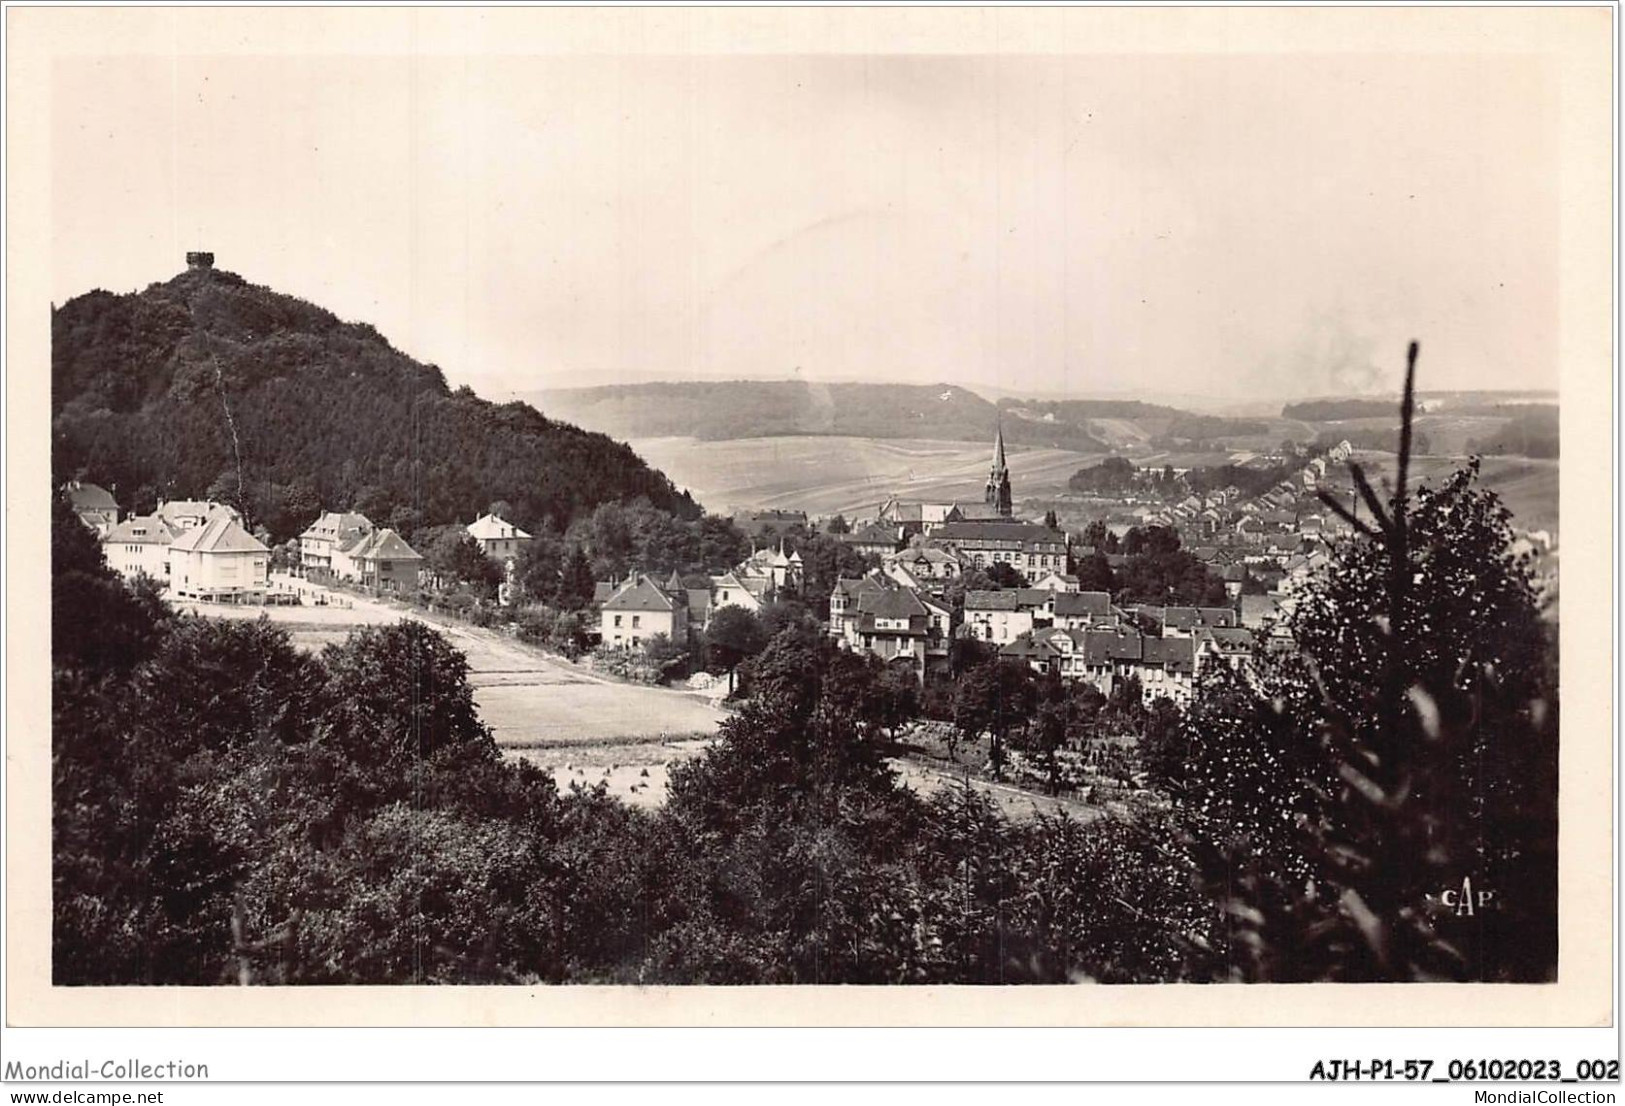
(219, 562)
(996, 616)
(139, 546)
(1167, 669)
(382, 560)
(498, 538)
(732, 590)
(640, 610)
(333, 531)
(1075, 610)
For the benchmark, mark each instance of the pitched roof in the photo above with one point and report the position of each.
(91, 497)
(899, 572)
(384, 545)
(1071, 604)
(176, 509)
(332, 524)
(906, 510)
(1103, 646)
(1034, 644)
(1230, 639)
(644, 595)
(979, 600)
(926, 553)
(220, 534)
(852, 588)
(758, 586)
(973, 512)
(872, 534)
(891, 603)
(493, 528)
(1185, 618)
(142, 530)
(1176, 654)
(1025, 532)
(603, 589)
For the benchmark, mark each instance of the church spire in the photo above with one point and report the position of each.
(998, 480)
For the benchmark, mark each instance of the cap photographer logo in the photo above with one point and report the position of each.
(114, 1070)
(1464, 901)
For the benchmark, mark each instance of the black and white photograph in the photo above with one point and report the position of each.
(652, 515)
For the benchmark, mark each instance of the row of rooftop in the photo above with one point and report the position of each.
(201, 550)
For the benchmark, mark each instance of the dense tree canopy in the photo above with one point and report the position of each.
(162, 392)
(1409, 747)
(229, 809)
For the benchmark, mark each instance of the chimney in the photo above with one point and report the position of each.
(196, 259)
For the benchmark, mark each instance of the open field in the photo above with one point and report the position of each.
(1527, 486)
(539, 706)
(825, 476)
(853, 476)
(580, 727)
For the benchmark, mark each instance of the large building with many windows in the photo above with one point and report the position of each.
(1032, 550)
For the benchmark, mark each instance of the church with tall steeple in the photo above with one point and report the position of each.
(998, 481)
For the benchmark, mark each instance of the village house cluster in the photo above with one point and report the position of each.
(200, 550)
(632, 611)
(1263, 547)
(901, 611)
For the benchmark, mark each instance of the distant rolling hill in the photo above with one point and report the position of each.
(851, 476)
(827, 447)
(742, 409)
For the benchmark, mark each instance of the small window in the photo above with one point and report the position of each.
(637, 620)
(617, 624)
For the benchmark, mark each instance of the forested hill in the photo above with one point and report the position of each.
(723, 410)
(179, 390)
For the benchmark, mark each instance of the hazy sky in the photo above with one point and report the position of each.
(1227, 225)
